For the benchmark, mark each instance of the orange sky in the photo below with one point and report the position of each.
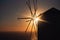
(18, 25)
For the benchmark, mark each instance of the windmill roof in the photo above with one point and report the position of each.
(51, 14)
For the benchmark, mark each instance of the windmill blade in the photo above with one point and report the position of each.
(35, 28)
(29, 6)
(31, 30)
(35, 6)
(24, 18)
(29, 20)
(39, 15)
(35, 31)
(27, 26)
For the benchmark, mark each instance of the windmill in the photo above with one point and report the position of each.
(33, 17)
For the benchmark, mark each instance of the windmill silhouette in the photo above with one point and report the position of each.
(33, 17)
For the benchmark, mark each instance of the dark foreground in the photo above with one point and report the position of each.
(14, 36)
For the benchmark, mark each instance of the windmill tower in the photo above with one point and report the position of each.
(33, 17)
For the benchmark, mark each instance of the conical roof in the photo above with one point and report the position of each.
(51, 15)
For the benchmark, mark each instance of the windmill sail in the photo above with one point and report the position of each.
(27, 26)
(25, 18)
(35, 6)
(29, 6)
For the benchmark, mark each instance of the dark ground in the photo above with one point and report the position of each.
(14, 36)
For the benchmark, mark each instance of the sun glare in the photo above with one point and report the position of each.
(36, 20)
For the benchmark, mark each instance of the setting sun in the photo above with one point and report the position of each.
(36, 19)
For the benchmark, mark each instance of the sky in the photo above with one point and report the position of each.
(10, 10)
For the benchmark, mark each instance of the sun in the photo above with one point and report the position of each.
(36, 19)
